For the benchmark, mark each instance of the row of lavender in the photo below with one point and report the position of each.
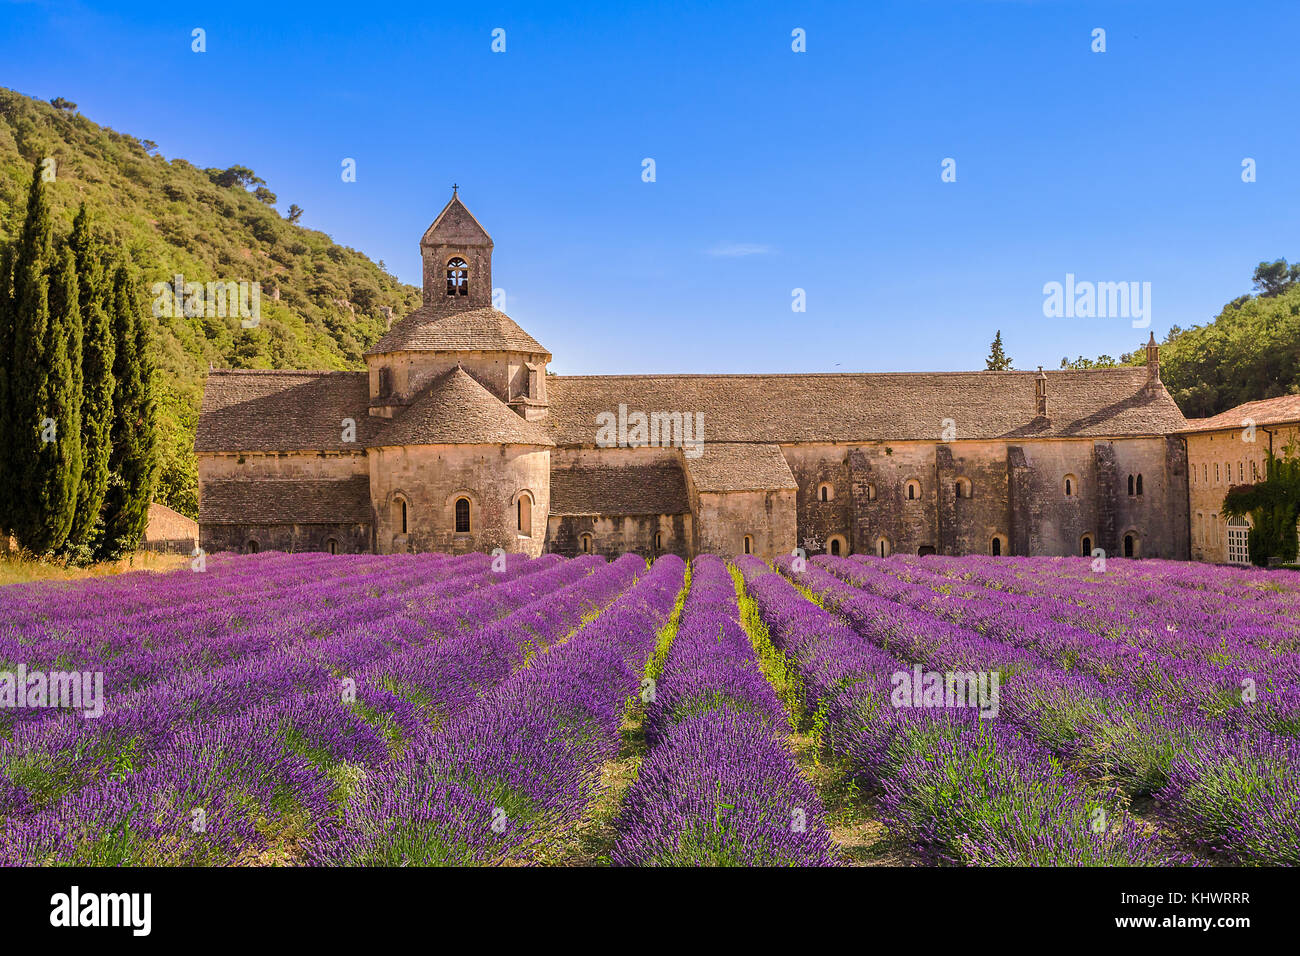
(1222, 776)
(959, 788)
(719, 786)
(259, 755)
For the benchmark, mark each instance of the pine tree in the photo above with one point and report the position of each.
(997, 360)
(97, 352)
(44, 388)
(132, 463)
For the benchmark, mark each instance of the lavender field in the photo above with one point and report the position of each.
(321, 710)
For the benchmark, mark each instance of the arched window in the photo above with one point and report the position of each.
(659, 540)
(825, 492)
(1130, 546)
(837, 546)
(250, 546)
(995, 547)
(964, 488)
(913, 490)
(462, 516)
(749, 544)
(1071, 486)
(1139, 485)
(871, 492)
(585, 541)
(1130, 485)
(332, 546)
(400, 515)
(882, 546)
(523, 514)
(1085, 546)
(458, 277)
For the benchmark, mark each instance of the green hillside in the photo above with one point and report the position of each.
(322, 304)
(1250, 350)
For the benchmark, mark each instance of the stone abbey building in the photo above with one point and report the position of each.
(456, 438)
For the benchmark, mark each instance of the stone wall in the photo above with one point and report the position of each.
(619, 534)
(1210, 455)
(431, 477)
(349, 538)
(723, 519)
(504, 374)
(286, 464)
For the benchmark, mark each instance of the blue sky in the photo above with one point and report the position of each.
(775, 170)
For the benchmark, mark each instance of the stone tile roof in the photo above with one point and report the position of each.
(286, 501)
(658, 489)
(283, 411)
(740, 466)
(473, 330)
(168, 525)
(456, 410)
(875, 406)
(1267, 411)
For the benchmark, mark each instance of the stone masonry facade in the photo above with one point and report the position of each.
(456, 438)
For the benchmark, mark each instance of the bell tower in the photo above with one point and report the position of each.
(457, 255)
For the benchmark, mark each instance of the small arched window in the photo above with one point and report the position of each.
(1130, 546)
(585, 541)
(1131, 492)
(458, 277)
(882, 546)
(524, 514)
(995, 547)
(835, 547)
(913, 490)
(871, 492)
(400, 515)
(332, 546)
(825, 492)
(1071, 486)
(462, 516)
(1139, 485)
(659, 540)
(250, 546)
(964, 488)
(749, 544)
(1085, 546)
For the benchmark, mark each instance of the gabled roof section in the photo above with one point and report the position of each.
(650, 489)
(456, 410)
(456, 226)
(874, 406)
(286, 501)
(1267, 411)
(739, 466)
(283, 411)
(475, 330)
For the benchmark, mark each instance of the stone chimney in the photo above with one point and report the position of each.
(1040, 393)
(1153, 361)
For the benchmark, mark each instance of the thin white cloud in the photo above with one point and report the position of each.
(733, 250)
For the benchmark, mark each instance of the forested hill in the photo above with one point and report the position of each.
(1250, 350)
(322, 304)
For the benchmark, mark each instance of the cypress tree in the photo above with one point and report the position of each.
(43, 419)
(126, 505)
(97, 351)
(50, 445)
(8, 489)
